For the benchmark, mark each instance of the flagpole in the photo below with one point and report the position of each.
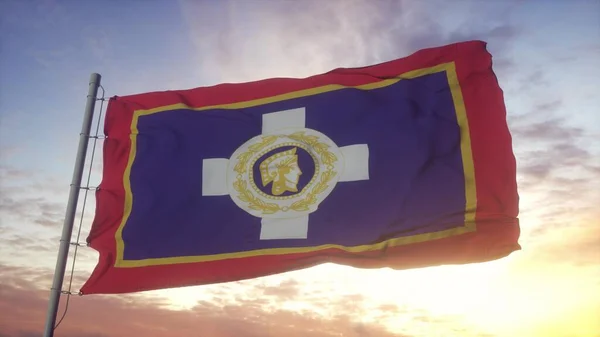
(65, 240)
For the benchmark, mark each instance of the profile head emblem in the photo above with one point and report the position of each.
(286, 174)
(282, 170)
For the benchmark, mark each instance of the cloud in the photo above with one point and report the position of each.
(540, 164)
(97, 41)
(25, 243)
(51, 57)
(23, 305)
(556, 164)
(19, 14)
(568, 237)
(560, 266)
(41, 18)
(32, 210)
(35, 198)
(310, 37)
(389, 308)
(550, 106)
(550, 129)
(287, 290)
(582, 250)
(302, 38)
(8, 173)
(240, 309)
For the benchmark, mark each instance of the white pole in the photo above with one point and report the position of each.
(65, 240)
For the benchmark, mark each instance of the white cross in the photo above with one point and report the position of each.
(214, 175)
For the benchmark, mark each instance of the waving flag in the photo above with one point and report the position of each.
(403, 164)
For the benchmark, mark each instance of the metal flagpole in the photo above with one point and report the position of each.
(65, 240)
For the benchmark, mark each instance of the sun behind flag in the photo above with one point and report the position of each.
(403, 164)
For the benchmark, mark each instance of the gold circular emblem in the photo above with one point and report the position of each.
(272, 159)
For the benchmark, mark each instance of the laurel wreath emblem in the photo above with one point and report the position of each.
(328, 158)
(253, 202)
(311, 198)
(243, 158)
(245, 195)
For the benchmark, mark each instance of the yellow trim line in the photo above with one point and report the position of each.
(467, 160)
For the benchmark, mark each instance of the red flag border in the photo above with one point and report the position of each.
(482, 238)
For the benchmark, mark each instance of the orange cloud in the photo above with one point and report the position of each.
(24, 304)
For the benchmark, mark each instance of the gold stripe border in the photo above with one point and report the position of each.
(467, 160)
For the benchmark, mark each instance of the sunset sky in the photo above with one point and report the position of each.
(547, 59)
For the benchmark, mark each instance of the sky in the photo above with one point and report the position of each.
(547, 59)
